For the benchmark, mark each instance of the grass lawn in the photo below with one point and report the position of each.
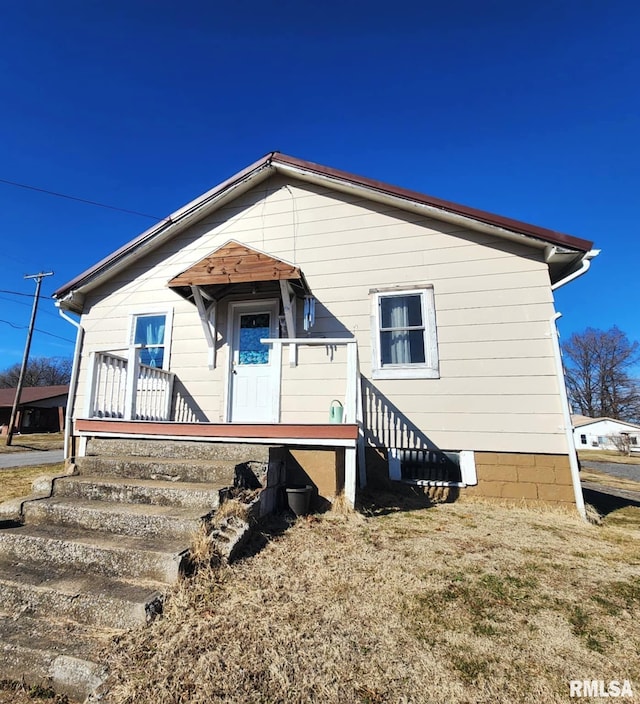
(35, 441)
(607, 456)
(466, 602)
(593, 475)
(469, 603)
(16, 481)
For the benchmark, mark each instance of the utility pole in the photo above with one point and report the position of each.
(16, 401)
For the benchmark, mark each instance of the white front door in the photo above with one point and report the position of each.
(252, 383)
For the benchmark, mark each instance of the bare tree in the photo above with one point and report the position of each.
(622, 442)
(41, 371)
(598, 374)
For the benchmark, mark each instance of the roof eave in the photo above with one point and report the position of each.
(153, 237)
(439, 207)
(71, 295)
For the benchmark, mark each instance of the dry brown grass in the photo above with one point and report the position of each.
(16, 481)
(232, 508)
(465, 602)
(35, 441)
(607, 456)
(592, 475)
(20, 693)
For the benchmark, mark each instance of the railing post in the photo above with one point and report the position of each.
(169, 398)
(277, 362)
(362, 464)
(92, 386)
(351, 390)
(131, 388)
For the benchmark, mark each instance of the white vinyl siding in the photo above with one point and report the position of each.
(497, 388)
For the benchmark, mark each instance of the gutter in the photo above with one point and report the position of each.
(73, 382)
(585, 264)
(386, 196)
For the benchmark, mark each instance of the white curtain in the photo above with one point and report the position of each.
(399, 318)
(150, 332)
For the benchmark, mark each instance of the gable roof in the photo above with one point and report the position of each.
(31, 394)
(567, 250)
(582, 421)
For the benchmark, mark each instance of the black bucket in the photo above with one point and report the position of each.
(298, 498)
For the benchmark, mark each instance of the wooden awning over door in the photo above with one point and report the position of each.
(237, 269)
(235, 263)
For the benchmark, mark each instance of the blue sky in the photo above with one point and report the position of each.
(527, 109)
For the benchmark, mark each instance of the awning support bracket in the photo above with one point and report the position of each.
(207, 315)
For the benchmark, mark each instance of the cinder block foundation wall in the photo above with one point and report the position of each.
(537, 479)
(321, 467)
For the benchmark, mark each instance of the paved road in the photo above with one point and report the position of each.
(624, 471)
(24, 459)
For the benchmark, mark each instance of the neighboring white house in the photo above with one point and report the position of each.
(255, 310)
(597, 433)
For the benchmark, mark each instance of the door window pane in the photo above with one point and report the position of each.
(253, 327)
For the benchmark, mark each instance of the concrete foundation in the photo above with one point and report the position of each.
(535, 479)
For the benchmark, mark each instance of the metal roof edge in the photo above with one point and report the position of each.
(180, 218)
(174, 220)
(516, 226)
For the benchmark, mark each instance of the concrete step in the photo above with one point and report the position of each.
(59, 653)
(96, 552)
(140, 491)
(168, 469)
(178, 449)
(40, 590)
(143, 520)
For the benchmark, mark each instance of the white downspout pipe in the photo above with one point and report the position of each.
(568, 426)
(73, 382)
(564, 400)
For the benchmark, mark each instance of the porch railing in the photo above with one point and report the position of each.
(123, 387)
(353, 412)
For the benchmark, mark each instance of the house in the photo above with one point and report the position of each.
(294, 295)
(599, 433)
(41, 409)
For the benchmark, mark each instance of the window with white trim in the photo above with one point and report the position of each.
(151, 331)
(403, 328)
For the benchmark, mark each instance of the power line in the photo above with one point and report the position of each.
(24, 303)
(43, 332)
(16, 293)
(79, 200)
(26, 295)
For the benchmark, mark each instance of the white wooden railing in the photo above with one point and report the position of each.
(352, 398)
(123, 387)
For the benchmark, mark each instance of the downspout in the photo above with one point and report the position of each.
(564, 400)
(75, 369)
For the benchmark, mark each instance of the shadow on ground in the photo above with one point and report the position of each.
(403, 497)
(266, 530)
(607, 503)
